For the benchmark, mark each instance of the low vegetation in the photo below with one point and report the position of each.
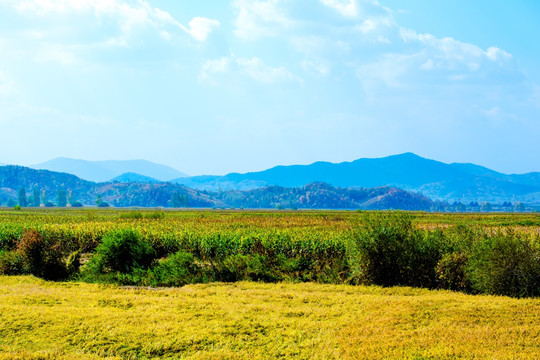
(175, 248)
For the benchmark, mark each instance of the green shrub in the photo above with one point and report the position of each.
(387, 250)
(248, 267)
(11, 263)
(451, 272)
(505, 264)
(122, 251)
(42, 256)
(177, 270)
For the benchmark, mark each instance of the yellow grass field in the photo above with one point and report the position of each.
(245, 320)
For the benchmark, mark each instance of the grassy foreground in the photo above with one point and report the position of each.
(245, 320)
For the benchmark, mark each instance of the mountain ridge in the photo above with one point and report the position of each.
(106, 170)
(42, 187)
(435, 179)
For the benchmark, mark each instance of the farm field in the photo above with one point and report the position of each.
(248, 320)
(268, 284)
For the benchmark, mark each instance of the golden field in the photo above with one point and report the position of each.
(249, 320)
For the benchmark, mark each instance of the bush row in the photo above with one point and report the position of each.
(382, 249)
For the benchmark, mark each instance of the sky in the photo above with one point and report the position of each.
(214, 86)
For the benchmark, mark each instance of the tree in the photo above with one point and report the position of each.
(36, 199)
(44, 199)
(179, 200)
(486, 207)
(22, 197)
(519, 207)
(61, 198)
(71, 201)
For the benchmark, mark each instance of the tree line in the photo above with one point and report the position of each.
(39, 198)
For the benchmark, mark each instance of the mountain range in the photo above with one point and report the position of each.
(437, 180)
(100, 171)
(46, 188)
(456, 182)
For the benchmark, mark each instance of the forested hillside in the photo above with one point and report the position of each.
(29, 187)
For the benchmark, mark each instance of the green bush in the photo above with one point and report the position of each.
(177, 270)
(387, 250)
(248, 267)
(505, 264)
(42, 256)
(122, 251)
(451, 272)
(11, 263)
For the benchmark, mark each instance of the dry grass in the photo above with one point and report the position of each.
(45, 320)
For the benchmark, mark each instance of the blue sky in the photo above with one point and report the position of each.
(211, 87)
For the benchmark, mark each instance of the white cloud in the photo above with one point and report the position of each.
(347, 8)
(213, 67)
(260, 18)
(254, 68)
(496, 54)
(451, 53)
(200, 27)
(129, 15)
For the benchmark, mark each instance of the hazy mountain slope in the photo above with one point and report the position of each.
(7, 194)
(100, 171)
(481, 188)
(406, 169)
(453, 182)
(311, 196)
(81, 168)
(16, 177)
(214, 183)
(151, 195)
(130, 177)
(324, 196)
(142, 167)
(476, 170)
(532, 179)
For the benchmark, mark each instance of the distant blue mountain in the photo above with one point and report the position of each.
(100, 171)
(455, 182)
(134, 178)
(49, 185)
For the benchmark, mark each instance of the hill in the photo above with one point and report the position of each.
(45, 182)
(450, 182)
(130, 177)
(154, 194)
(325, 196)
(99, 171)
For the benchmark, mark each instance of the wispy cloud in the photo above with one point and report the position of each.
(346, 8)
(128, 15)
(252, 68)
(260, 18)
